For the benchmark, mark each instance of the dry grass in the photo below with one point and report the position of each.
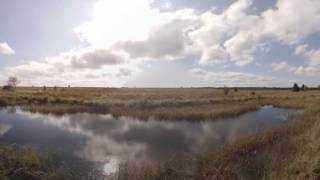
(287, 152)
(167, 104)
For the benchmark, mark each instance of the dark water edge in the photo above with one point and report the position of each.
(91, 142)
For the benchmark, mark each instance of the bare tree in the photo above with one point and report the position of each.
(13, 81)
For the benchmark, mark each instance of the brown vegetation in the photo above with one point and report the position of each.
(291, 151)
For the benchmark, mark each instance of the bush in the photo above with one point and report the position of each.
(296, 87)
(7, 88)
(226, 91)
(304, 87)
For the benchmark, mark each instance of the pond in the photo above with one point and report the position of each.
(105, 141)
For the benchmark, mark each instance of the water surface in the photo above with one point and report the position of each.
(105, 141)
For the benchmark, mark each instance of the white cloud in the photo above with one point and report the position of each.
(122, 33)
(171, 34)
(301, 49)
(76, 67)
(96, 59)
(235, 34)
(124, 72)
(313, 56)
(292, 20)
(208, 37)
(241, 47)
(282, 23)
(5, 49)
(213, 55)
(166, 41)
(283, 66)
(121, 20)
(220, 37)
(308, 71)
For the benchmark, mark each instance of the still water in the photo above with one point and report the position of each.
(105, 141)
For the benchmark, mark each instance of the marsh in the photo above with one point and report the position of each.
(105, 141)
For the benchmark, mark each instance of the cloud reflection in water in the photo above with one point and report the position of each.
(107, 141)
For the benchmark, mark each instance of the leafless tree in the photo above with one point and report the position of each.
(13, 81)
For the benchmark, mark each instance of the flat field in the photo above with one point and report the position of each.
(164, 104)
(291, 151)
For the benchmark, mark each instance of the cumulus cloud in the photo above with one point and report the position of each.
(234, 35)
(96, 59)
(292, 20)
(241, 47)
(5, 49)
(226, 36)
(119, 35)
(74, 67)
(308, 71)
(168, 40)
(313, 57)
(242, 33)
(208, 37)
(283, 66)
(213, 55)
(143, 31)
(124, 72)
(75, 60)
(301, 49)
(121, 20)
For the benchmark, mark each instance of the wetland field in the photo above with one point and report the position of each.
(146, 134)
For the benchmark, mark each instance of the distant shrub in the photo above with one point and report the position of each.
(253, 93)
(304, 87)
(226, 91)
(235, 89)
(7, 88)
(295, 87)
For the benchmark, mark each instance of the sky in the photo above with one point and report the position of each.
(160, 43)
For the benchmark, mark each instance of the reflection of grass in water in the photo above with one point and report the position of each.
(24, 163)
(27, 163)
(290, 152)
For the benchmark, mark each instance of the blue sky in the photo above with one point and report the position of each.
(160, 43)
